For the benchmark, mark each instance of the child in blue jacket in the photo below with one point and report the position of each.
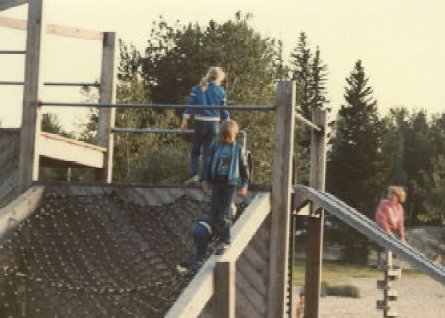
(207, 121)
(225, 168)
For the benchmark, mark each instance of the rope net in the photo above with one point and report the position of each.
(97, 256)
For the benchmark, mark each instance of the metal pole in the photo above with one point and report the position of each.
(12, 83)
(163, 131)
(95, 84)
(161, 106)
(12, 52)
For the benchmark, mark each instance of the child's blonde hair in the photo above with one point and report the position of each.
(214, 73)
(228, 130)
(398, 191)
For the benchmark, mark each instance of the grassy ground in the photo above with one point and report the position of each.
(336, 272)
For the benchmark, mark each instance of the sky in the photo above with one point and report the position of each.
(400, 43)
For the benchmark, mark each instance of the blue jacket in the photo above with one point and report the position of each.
(213, 95)
(238, 170)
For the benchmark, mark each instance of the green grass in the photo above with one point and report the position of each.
(336, 272)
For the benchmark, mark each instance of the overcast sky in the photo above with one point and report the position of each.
(400, 42)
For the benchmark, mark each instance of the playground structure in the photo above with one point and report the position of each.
(252, 279)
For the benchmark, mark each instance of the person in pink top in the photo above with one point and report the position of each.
(390, 214)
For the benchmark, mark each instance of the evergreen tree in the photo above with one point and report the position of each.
(317, 84)
(301, 73)
(355, 169)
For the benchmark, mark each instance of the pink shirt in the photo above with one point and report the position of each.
(391, 217)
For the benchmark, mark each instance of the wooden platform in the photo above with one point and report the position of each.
(58, 151)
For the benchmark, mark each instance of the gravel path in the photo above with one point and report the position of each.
(419, 297)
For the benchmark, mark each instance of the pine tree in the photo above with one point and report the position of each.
(355, 170)
(317, 83)
(301, 73)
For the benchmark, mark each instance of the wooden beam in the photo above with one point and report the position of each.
(224, 297)
(194, 298)
(107, 94)
(54, 29)
(68, 150)
(19, 209)
(314, 248)
(31, 123)
(281, 192)
(8, 4)
(248, 224)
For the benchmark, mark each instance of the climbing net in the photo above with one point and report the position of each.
(97, 256)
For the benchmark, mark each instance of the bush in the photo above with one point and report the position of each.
(339, 290)
(161, 166)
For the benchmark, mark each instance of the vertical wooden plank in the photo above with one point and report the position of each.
(30, 129)
(314, 252)
(107, 94)
(224, 296)
(388, 266)
(281, 191)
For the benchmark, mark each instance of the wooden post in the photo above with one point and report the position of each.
(281, 192)
(224, 296)
(31, 123)
(314, 252)
(107, 95)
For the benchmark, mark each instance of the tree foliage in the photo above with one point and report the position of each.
(175, 58)
(355, 170)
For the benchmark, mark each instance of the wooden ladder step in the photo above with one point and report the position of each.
(392, 294)
(392, 313)
(381, 284)
(394, 274)
(381, 304)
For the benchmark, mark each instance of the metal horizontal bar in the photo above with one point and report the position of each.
(152, 131)
(95, 84)
(11, 83)
(12, 52)
(158, 131)
(308, 122)
(161, 106)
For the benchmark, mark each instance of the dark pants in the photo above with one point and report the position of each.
(204, 136)
(222, 198)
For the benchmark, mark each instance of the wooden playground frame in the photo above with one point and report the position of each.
(218, 271)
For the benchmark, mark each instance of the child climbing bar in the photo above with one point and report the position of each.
(390, 213)
(225, 167)
(207, 121)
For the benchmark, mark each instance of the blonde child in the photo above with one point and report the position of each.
(207, 121)
(225, 168)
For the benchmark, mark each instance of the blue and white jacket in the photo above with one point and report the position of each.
(213, 95)
(238, 170)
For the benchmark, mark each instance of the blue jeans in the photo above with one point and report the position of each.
(204, 136)
(222, 198)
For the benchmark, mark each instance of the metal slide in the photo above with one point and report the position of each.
(364, 225)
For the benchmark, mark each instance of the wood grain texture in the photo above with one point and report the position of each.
(53, 29)
(314, 252)
(31, 121)
(107, 95)
(281, 191)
